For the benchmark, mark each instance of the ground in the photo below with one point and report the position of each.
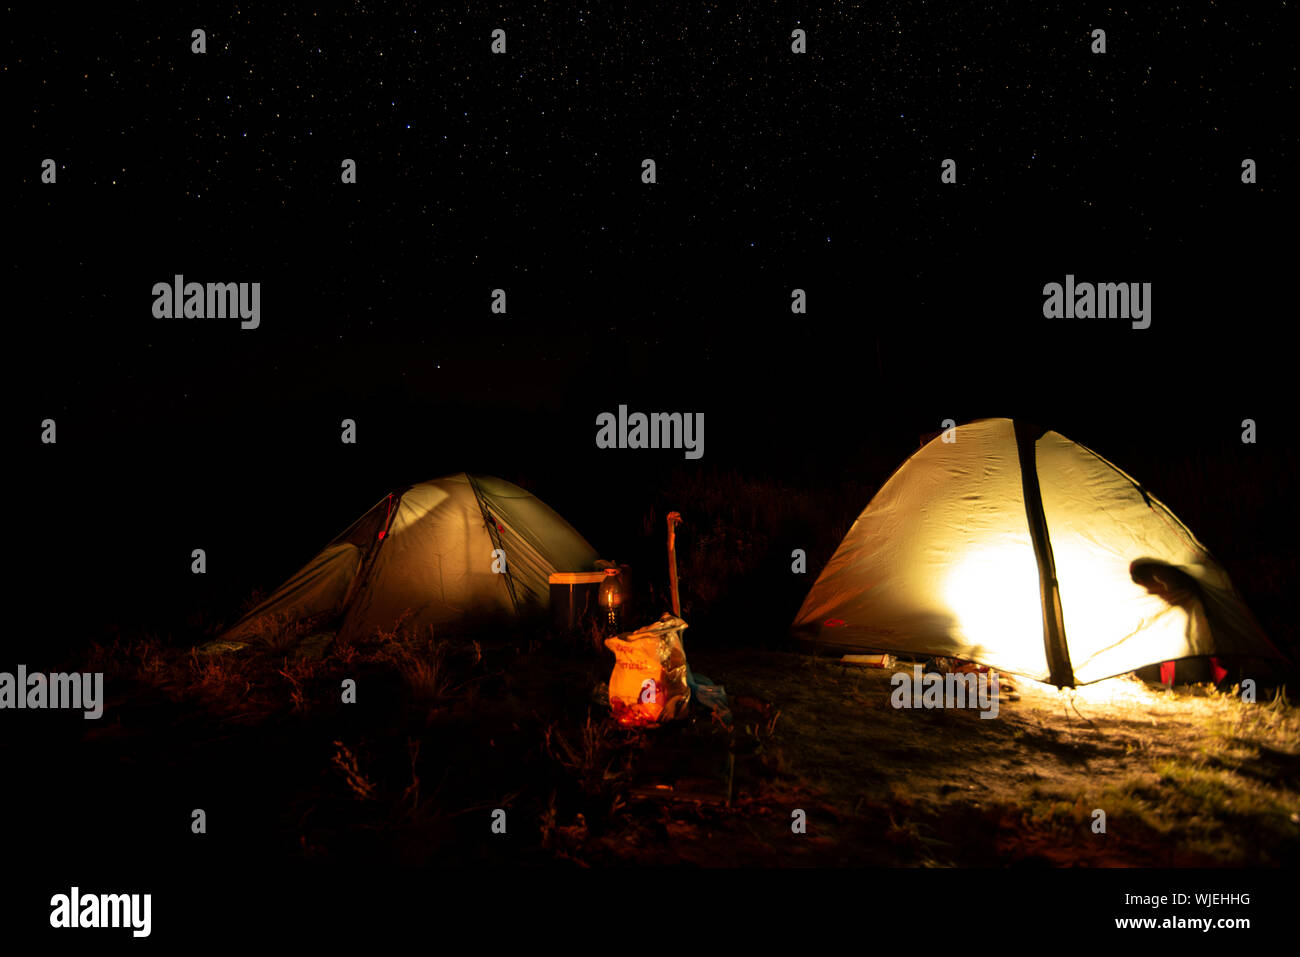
(445, 733)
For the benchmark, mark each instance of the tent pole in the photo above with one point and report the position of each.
(1061, 671)
(489, 523)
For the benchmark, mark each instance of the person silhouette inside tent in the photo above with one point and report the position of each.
(1176, 587)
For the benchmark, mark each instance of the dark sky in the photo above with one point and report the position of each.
(522, 171)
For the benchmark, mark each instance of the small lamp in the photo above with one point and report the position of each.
(611, 597)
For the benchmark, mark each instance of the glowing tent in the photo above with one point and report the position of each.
(428, 556)
(1017, 548)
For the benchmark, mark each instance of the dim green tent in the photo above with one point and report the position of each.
(1014, 547)
(430, 556)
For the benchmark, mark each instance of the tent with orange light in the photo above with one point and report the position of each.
(1015, 547)
(452, 552)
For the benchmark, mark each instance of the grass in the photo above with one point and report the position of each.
(448, 730)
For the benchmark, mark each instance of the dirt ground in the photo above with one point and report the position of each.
(1185, 777)
(447, 743)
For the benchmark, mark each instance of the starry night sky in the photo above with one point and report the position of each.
(522, 171)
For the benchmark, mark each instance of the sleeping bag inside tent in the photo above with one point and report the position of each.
(1015, 547)
(453, 552)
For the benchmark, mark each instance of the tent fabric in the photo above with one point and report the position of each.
(942, 562)
(423, 557)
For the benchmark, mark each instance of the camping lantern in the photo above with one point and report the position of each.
(611, 597)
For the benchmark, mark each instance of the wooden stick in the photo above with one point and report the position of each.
(673, 519)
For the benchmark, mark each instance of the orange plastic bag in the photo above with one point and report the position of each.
(648, 684)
